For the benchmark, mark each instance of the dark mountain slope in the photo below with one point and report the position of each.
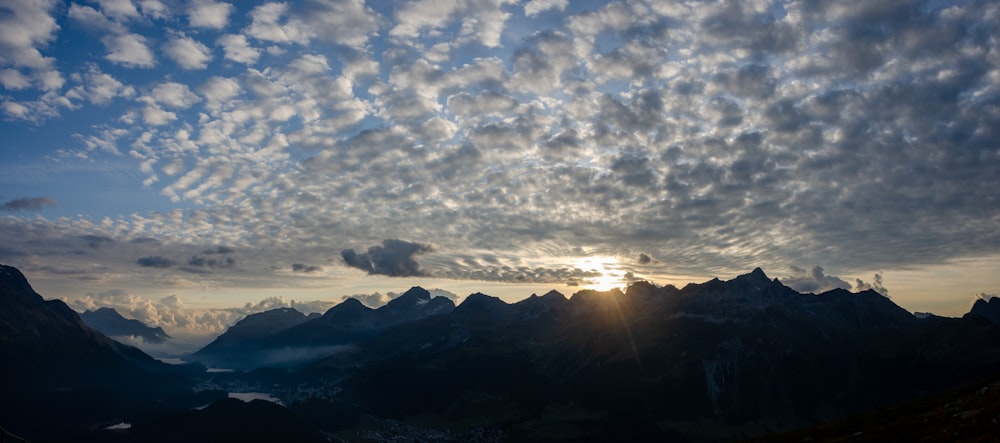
(969, 414)
(59, 377)
(240, 346)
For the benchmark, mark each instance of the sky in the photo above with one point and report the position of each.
(189, 162)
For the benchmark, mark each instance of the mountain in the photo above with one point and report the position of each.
(109, 322)
(45, 339)
(284, 338)
(713, 361)
(986, 310)
(240, 345)
(59, 376)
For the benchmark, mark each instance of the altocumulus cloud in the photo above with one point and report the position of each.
(395, 258)
(712, 136)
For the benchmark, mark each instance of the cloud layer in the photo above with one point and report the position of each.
(514, 137)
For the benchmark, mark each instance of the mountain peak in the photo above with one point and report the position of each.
(988, 310)
(480, 301)
(413, 297)
(13, 284)
(349, 308)
(756, 277)
(417, 292)
(553, 294)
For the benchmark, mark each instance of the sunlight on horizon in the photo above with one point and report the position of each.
(608, 279)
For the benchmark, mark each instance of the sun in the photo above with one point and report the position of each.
(605, 282)
(604, 267)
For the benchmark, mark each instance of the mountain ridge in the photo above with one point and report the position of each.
(111, 323)
(342, 324)
(718, 360)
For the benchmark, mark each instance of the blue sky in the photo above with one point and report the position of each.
(192, 161)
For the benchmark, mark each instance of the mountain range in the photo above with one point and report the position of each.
(267, 338)
(721, 359)
(715, 361)
(109, 322)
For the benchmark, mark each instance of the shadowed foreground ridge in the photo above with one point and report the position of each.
(715, 361)
(968, 414)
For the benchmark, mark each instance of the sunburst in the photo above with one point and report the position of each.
(608, 277)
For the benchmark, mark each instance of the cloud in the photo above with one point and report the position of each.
(91, 19)
(99, 88)
(722, 135)
(373, 300)
(155, 261)
(188, 52)
(154, 9)
(219, 250)
(183, 321)
(271, 22)
(876, 285)
(307, 269)
(172, 95)
(129, 50)
(26, 27)
(645, 259)
(238, 49)
(205, 262)
(208, 14)
(218, 91)
(96, 241)
(27, 204)
(535, 7)
(119, 9)
(813, 280)
(395, 258)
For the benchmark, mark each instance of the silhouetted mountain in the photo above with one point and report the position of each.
(986, 310)
(240, 344)
(713, 361)
(45, 339)
(717, 360)
(111, 323)
(59, 376)
(414, 304)
(290, 342)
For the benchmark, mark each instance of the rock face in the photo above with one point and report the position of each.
(109, 322)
